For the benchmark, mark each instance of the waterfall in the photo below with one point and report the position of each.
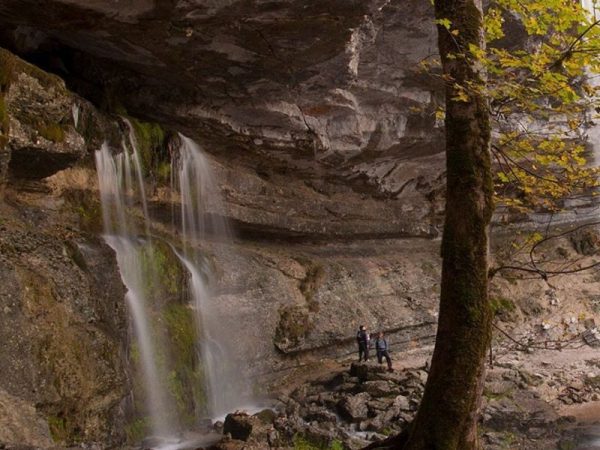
(200, 214)
(127, 231)
(117, 192)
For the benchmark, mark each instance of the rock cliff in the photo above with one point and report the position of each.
(307, 267)
(322, 136)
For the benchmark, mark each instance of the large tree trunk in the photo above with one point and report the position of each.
(447, 417)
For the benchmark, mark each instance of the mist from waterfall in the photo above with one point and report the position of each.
(119, 192)
(200, 215)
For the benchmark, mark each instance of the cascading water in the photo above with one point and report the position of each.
(117, 193)
(224, 384)
(122, 194)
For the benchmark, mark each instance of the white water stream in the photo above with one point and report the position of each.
(122, 193)
(117, 194)
(224, 384)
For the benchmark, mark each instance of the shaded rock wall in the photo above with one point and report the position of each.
(63, 322)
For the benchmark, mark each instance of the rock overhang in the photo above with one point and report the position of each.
(324, 92)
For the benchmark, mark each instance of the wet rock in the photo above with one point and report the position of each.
(240, 425)
(266, 416)
(321, 415)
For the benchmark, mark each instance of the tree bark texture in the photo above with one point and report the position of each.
(447, 416)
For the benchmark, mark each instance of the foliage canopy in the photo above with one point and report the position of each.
(543, 65)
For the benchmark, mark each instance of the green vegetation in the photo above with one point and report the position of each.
(7, 68)
(502, 306)
(87, 207)
(152, 144)
(54, 132)
(163, 172)
(186, 376)
(182, 329)
(163, 271)
(4, 122)
(567, 445)
(58, 428)
(429, 268)
(302, 442)
(7, 63)
(137, 430)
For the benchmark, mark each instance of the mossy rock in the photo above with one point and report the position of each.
(58, 428)
(7, 68)
(186, 378)
(4, 122)
(53, 132)
(11, 66)
(152, 144)
(137, 429)
(87, 207)
(163, 270)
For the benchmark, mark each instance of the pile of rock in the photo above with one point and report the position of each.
(349, 408)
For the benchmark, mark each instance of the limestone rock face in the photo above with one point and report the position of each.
(63, 329)
(324, 102)
(63, 325)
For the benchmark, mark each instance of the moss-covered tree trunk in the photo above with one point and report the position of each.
(447, 417)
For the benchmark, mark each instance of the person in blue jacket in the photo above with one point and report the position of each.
(382, 348)
(362, 339)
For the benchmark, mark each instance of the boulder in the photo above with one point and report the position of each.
(240, 425)
(402, 403)
(380, 388)
(354, 407)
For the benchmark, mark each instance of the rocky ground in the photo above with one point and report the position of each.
(539, 400)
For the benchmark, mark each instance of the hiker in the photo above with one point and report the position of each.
(362, 338)
(382, 349)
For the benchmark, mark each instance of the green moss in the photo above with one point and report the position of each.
(502, 306)
(134, 353)
(10, 64)
(490, 395)
(303, 442)
(567, 445)
(88, 209)
(7, 67)
(429, 268)
(163, 271)
(53, 132)
(4, 122)
(7, 62)
(185, 378)
(137, 430)
(151, 144)
(58, 428)
(163, 172)
(182, 329)
(387, 431)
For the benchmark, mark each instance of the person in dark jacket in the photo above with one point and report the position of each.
(382, 348)
(362, 338)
